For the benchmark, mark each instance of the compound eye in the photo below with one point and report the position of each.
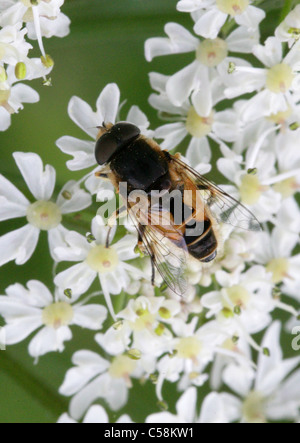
(125, 132)
(106, 146)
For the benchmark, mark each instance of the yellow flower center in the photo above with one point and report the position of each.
(3, 73)
(254, 408)
(188, 347)
(121, 367)
(198, 126)
(145, 320)
(287, 188)
(250, 189)
(30, 3)
(229, 345)
(233, 7)
(102, 259)
(280, 78)
(44, 215)
(279, 268)
(57, 315)
(212, 52)
(236, 296)
(4, 96)
(281, 116)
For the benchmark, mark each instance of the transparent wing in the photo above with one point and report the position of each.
(169, 257)
(225, 208)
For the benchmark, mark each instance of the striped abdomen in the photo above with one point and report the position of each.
(202, 246)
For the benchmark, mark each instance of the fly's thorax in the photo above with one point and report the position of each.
(141, 164)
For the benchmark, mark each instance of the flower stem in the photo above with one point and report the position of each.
(287, 7)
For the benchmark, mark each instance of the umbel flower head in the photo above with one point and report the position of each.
(43, 214)
(160, 341)
(97, 259)
(34, 308)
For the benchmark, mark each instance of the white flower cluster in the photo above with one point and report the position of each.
(207, 336)
(20, 21)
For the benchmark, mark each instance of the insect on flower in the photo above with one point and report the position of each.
(174, 209)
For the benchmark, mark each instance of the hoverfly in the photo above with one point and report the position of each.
(128, 156)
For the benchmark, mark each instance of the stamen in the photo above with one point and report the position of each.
(281, 177)
(37, 27)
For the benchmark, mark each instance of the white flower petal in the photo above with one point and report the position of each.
(76, 249)
(104, 189)
(202, 98)
(238, 379)
(243, 80)
(271, 53)
(78, 278)
(38, 295)
(13, 204)
(18, 245)
(233, 407)
(273, 369)
(84, 398)
(226, 126)
(21, 329)
(285, 404)
(24, 94)
(198, 152)
(180, 85)
(66, 419)
(82, 114)
(79, 200)
(89, 364)
(192, 5)
(162, 104)
(179, 41)
(186, 405)
(264, 103)
(125, 247)
(49, 340)
(210, 23)
(164, 417)
(228, 168)
(82, 151)
(113, 341)
(292, 58)
(108, 104)
(58, 27)
(241, 40)
(115, 282)
(172, 134)
(14, 309)
(12, 15)
(57, 239)
(138, 118)
(100, 230)
(251, 18)
(5, 119)
(96, 414)
(90, 316)
(40, 182)
(124, 419)
(213, 410)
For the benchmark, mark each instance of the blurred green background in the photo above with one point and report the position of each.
(106, 45)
